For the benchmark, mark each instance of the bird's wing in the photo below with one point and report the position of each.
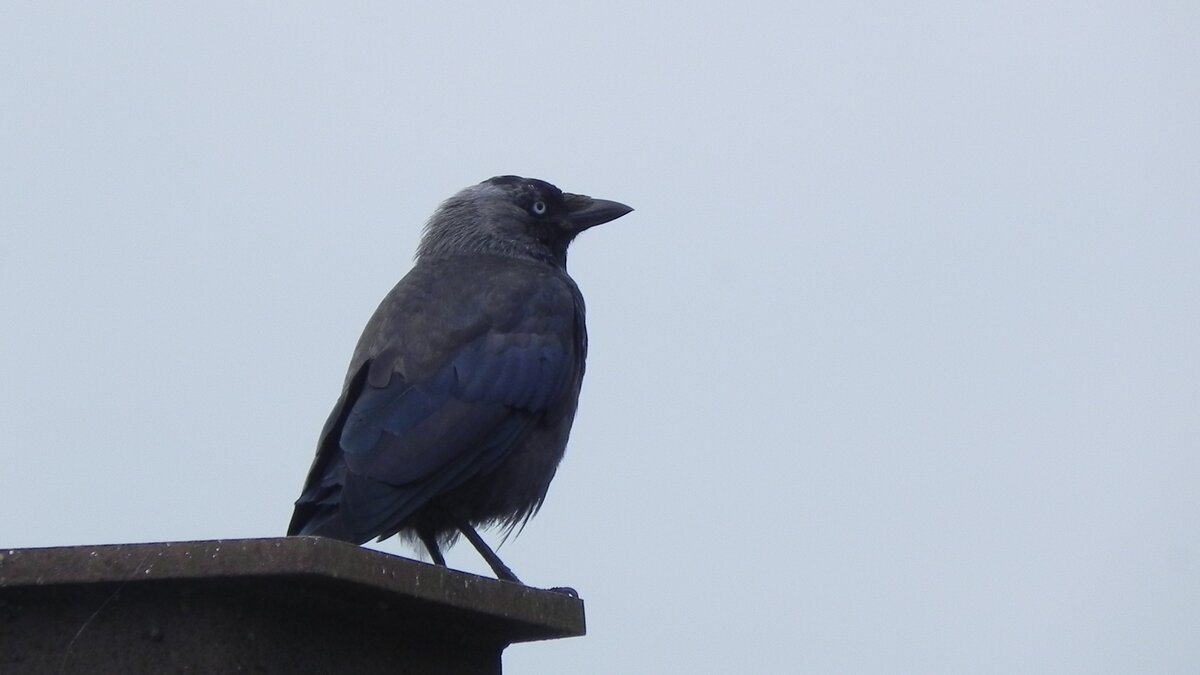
(402, 431)
(405, 442)
(396, 440)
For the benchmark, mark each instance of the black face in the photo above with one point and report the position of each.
(539, 199)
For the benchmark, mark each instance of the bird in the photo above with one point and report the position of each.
(460, 395)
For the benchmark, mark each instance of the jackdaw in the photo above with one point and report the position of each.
(461, 392)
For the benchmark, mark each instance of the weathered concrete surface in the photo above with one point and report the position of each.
(286, 605)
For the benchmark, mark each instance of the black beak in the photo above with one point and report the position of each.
(585, 212)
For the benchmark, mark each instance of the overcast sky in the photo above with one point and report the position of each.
(895, 369)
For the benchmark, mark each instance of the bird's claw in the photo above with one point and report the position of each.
(565, 590)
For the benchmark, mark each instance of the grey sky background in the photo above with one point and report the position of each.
(893, 370)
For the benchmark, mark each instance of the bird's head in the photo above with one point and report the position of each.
(514, 216)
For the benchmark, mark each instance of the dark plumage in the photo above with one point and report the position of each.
(460, 395)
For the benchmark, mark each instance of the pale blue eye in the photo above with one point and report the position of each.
(539, 208)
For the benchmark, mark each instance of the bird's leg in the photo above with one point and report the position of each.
(502, 571)
(430, 541)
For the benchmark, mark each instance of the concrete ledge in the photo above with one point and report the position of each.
(285, 605)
